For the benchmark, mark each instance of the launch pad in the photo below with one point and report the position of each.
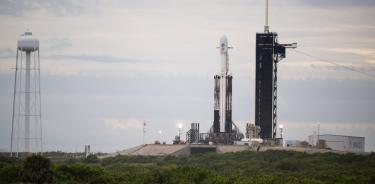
(223, 131)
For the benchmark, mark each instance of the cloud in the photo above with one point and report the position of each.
(95, 58)
(59, 44)
(335, 3)
(117, 123)
(7, 53)
(333, 63)
(367, 52)
(331, 125)
(54, 7)
(315, 69)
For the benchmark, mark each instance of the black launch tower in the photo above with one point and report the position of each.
(268, 53)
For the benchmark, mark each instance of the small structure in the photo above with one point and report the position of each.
(296, 143)
(192, 136)
(338, 142)
(244, 141)
(177, 140)
(87, 150)
(252, 131)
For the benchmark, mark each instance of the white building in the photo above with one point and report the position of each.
(340, 142)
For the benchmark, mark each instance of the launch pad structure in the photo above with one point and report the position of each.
(26, 117)
(268, 53)
(223, 130)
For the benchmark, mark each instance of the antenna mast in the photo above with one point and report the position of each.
(266, 27)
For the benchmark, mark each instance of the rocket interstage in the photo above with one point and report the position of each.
(223, 92)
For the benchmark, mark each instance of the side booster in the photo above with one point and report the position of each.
(223, 93)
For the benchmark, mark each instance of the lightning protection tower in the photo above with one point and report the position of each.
(26, 135)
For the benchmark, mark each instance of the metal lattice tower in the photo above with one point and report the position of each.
(192, 136)
(27, 115)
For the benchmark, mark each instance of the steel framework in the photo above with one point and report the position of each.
(268, 53)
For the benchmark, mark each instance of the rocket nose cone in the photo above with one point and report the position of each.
(223, 41)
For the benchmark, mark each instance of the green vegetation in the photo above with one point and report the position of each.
(37, 169)
(243, 167)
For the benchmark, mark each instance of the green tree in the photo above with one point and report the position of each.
(91, 159)
(37, 169)
(11, 173)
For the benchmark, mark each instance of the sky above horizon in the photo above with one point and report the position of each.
(107, 66)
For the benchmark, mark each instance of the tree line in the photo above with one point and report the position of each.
(241, 167)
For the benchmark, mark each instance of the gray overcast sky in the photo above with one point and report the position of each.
(109, 65)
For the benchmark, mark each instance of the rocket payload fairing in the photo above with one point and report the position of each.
(223, 92)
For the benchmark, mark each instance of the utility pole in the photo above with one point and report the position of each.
(317, 143)
(144, 132)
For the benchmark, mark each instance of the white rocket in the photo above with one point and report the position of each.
(223, 82)
(223, 92)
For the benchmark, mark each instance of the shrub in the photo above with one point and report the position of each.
(37, 169)
(11, 173)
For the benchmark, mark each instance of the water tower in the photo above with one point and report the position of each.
(26, 135)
